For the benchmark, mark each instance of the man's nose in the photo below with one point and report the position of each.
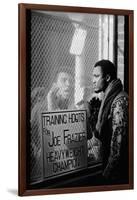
(94, 80)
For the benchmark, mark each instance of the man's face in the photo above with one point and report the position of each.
(64, 84)
(99, 81)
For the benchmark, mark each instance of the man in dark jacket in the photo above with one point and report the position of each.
(112, 123)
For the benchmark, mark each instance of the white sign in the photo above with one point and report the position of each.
(65, 141)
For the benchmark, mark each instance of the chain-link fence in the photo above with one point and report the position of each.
(52, 36)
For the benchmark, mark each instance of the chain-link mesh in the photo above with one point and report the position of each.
(51, 40)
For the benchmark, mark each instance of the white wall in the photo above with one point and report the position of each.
(9, 98)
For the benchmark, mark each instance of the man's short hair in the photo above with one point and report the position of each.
(107, 68)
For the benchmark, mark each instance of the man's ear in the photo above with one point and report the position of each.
(108, 78)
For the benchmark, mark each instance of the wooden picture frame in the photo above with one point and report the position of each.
(25, 85)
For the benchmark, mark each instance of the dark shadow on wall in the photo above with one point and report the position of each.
(13, 191)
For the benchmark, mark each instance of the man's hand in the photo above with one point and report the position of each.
(51, 97)
(94, 148)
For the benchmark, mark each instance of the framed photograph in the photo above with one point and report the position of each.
(75, 99)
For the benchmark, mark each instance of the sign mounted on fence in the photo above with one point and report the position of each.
(65, 142)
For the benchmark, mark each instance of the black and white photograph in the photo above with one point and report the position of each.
(79, 99)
